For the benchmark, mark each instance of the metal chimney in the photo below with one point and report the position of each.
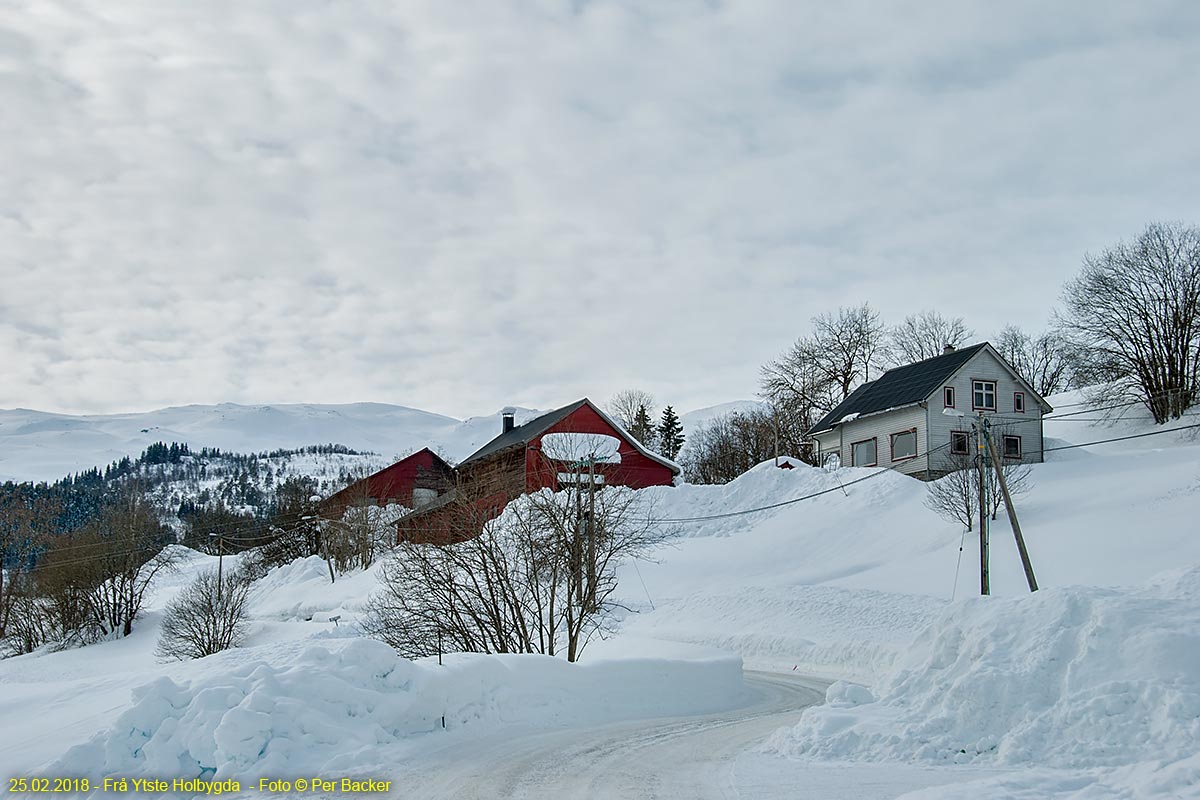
(508, 415)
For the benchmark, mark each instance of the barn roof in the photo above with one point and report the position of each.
(523, 434)
(899, 387)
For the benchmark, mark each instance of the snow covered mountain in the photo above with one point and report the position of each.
(35, 445)
(40, 446)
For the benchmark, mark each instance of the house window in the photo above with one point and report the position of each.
(904, 445)
(959, 443)
(1019, 402)
(983, 395)
(1012, 446)
(948, 397)
(863, 454)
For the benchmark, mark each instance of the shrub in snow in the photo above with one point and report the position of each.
(537, 579)
(208, 616)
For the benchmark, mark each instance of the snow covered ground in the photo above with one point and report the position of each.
(1088, 689)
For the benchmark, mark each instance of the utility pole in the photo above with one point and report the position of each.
(775, 425)
(1012, 516)
(591, 535)
(220, 558)
(577, 545)
(981, 462)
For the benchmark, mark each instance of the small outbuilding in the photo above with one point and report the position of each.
(413, 482)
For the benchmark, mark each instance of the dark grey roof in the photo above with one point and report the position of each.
(898, 387)
(522, 434)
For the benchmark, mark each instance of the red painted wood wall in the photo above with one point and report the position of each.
(635, 470)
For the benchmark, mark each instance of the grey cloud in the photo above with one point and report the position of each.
(463, 205)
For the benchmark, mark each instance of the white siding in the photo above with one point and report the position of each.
(880, 427)
(1004, 420)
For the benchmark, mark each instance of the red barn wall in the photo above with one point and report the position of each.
(635, 470)
(394, 484)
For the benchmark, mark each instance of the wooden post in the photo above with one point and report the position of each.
(591, 535)
(775, 425)
(981, 457)
(1012, 517)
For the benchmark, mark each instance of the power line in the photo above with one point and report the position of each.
(839, 488)
(892, 469)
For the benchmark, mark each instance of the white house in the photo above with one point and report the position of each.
(912, 411)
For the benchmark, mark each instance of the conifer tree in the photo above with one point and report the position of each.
(670, 433)
(642, 428)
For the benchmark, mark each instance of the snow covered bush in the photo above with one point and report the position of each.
(208, 616)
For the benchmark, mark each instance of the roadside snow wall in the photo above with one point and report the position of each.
(349, 708)
(1068, 678)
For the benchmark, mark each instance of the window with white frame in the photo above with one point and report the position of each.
(959, 443)
(983, 395)
(1012, 446)
(864, 453)
(948, 397)
(904, 445)
(1019, 402)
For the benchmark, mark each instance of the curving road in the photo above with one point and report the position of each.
(684, 757)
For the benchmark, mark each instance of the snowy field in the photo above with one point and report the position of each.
(1088, 689)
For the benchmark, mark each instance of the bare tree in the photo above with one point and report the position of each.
(208, 616)
(1042, 361)
(26, 523)
(728, 445)
(924, 335)
(537, 579)
(955, 496)
(623, 406)
(362, 532)
(633, 409)
(821, 370)
(1133, 318)
(92, 583)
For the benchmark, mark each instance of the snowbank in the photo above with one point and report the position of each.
(1072, 678)
(816, 630)
(349, 706)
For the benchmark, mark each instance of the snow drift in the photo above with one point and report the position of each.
(349, 705)
(1067, 678)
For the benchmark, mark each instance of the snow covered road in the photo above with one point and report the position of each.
(692, 757)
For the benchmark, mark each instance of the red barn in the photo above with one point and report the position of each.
(412, 482)
(534, 456)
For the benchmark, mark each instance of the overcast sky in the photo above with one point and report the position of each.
(461, 205)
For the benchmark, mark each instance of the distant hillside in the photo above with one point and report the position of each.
(38, 446)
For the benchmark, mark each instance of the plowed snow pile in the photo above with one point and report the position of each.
(349, 707)
(1065, 678)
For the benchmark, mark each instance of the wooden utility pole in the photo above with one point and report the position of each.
(220, 558)
(981, 462)
(1012, 516)
(775, 425)
(591, 535)
(577, 545)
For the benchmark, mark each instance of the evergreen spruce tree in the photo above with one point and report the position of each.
(670, 433)
(642, 428)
